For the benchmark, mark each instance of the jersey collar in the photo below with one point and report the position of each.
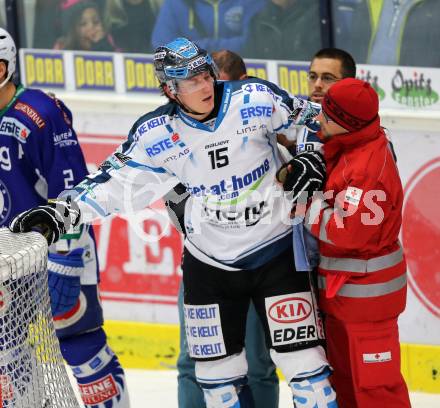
(18, 91)
(224, 106)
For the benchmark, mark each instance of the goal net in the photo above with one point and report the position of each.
(32, 371)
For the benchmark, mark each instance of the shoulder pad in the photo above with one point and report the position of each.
(158, 118)
(256, 86)
(33, 104)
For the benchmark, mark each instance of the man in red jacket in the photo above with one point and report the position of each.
(362, 269)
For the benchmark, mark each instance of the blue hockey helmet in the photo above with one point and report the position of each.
(181, 59)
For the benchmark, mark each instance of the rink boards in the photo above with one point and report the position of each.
(155, 347)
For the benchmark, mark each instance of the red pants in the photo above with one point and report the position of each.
(366, 362)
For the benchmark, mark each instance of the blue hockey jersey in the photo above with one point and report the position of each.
(39, 152)
(39, 158)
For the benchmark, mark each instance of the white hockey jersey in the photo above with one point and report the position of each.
(236, 217)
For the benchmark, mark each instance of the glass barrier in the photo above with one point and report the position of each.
(383, 32)
(388, 32)
(100, 25)
(288, 32)
(2, 14)
(254, 28)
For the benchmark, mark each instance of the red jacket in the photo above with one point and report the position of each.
(362, 270)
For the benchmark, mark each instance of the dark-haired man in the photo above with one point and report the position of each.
(231, 66)
(328, 66)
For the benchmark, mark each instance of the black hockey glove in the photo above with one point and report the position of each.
(51, 220)
(305, 173)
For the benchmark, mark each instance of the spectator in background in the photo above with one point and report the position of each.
(213, 24)
(84, 29)
(285, 30)
(389, 32)
(48, 25)
(131, 23)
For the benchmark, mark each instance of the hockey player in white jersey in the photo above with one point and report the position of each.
(219, 140)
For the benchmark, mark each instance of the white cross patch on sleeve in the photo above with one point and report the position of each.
(353, 195)
(376, 357)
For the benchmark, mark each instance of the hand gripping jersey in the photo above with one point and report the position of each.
(39, 158)
(236, 216)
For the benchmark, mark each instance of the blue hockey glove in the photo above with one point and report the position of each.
(51, 220)
(64, 280)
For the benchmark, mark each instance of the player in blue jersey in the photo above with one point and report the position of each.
(39, 158)
(219, 140)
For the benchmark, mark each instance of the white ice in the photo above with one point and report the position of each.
(159, 389)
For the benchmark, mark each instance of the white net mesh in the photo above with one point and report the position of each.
(32, 372)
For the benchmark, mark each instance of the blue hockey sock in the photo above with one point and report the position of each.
(99, 375)
(234, 394)
(314, 391)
